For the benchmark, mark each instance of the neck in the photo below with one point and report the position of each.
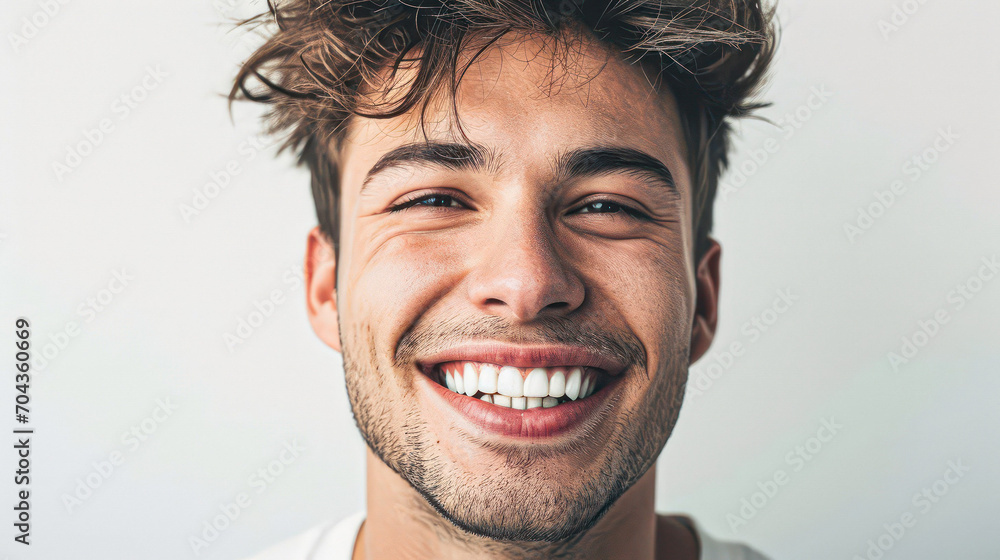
(400, 524)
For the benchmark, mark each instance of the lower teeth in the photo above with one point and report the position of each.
(522, 403)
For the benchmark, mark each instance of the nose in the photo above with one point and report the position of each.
(520, 274)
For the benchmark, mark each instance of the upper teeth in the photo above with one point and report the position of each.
(519, 387)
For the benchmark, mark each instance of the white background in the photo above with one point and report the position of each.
(62, 238)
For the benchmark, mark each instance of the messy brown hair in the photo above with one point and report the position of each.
(324, 55)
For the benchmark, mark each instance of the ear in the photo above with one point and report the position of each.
(707, 303)
(321, 295)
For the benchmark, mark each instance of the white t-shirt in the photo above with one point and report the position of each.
(335, 541)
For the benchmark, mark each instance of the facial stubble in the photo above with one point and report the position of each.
(526, 494)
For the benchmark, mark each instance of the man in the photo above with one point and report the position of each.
(513, 256)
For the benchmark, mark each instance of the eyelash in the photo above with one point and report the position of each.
(416, 201)
(632, 212)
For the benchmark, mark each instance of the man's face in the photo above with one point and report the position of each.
(547, 252)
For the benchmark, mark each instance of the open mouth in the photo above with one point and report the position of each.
(519, 388)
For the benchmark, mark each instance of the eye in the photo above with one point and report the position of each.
(610, 207)
(435, 200)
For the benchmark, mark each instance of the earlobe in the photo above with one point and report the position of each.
(707, 305)
(321, 295)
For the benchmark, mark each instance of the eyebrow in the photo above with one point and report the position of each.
(588, 162)
(449, 155)
(577, 163)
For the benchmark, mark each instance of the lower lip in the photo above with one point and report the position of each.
(532, 423)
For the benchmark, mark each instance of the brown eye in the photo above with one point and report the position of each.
(610, 207)
(432, 200)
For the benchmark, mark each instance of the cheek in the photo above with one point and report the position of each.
(644, 285)
(644, 275)
(397, 278)
(658, 289)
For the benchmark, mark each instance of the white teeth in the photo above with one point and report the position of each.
(510, 382)
(505, 386)
(573, 383)
(557, 384)
(536, 384)
(488, 378)
(471, 379)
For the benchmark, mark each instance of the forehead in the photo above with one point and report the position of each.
(529, 97)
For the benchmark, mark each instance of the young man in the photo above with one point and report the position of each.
(514, 202)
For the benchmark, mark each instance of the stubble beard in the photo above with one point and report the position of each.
(516, 500)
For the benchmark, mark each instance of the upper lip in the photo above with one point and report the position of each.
(525, 356)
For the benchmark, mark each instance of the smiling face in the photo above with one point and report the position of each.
(516, 305)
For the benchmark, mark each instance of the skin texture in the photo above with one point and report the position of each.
(517, 254)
